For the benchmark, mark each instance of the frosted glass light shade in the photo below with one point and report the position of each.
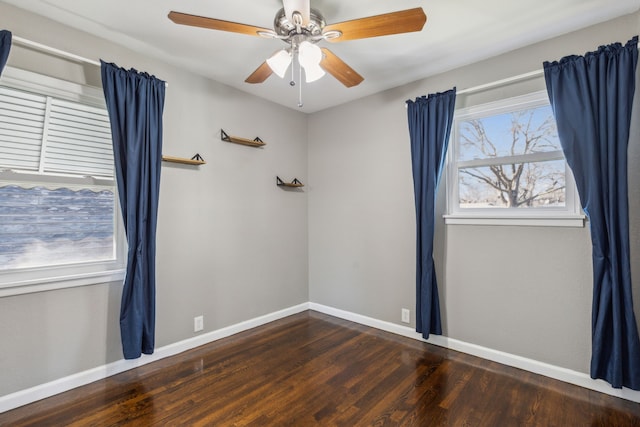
(310, 56)
(313, 73)
(279, 62)
(309, 53)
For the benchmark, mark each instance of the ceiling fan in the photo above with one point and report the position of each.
(301, 28)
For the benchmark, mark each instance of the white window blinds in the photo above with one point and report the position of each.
(50, 135)
(21, 125)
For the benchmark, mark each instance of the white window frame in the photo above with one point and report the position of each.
(28, 280)
(568, 216)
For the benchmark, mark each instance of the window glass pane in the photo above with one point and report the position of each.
(44, 227)
(520, 132)
(523, 185)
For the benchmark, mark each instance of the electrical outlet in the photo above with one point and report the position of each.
(406, 315)
(198, 323)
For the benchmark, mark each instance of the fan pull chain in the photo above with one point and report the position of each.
(293, 65)
(300, 104)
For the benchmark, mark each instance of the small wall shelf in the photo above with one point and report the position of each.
(295, 183)
(196, 160)
(257, 142)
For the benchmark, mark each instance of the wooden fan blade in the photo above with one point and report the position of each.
(215, 24)
(404, 21)
(261, 74)
(339, 69)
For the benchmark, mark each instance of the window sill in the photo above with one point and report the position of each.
(527, 221)
(61, 282)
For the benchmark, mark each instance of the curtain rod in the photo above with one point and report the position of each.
(58, 52)
(501, 82)
(53, 50)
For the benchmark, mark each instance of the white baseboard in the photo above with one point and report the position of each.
(30, 395)
(537, 367)
(42, 391)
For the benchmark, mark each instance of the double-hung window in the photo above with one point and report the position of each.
(59, 217)
(506, 166)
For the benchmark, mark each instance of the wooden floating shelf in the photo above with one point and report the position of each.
(196, 160)
(257, 142)
(295, 183)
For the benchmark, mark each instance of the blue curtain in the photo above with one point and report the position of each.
(5, 47)
(430, 118)
(135, 102)
(591, 97)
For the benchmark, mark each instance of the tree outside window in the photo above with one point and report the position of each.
(509, 159)
(505, 166)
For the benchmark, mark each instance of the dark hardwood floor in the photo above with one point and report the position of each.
(312, 369)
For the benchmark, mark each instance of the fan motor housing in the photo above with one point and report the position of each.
(284, 27)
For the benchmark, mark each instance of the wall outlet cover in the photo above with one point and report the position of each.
(198, 323)
(406, 315)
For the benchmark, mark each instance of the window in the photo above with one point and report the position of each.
(59, 217)
(506, 166)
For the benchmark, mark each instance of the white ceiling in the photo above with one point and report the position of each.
(457, 32)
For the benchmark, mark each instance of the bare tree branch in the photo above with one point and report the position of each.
(516, 184)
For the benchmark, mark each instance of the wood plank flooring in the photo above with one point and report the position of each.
(312, 369)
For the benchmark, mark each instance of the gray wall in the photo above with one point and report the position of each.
(522, 290)
(231, 245)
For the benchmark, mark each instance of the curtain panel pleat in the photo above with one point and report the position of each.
(135, 103)
(5, 48)
(430, 119)
(591, 97)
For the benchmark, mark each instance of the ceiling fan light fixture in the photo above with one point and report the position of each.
(310, 56)
(279, 62)
(313, 73)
